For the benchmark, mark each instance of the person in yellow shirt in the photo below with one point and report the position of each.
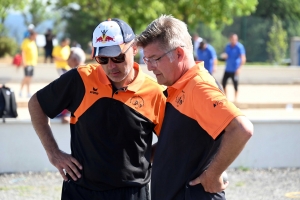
(61, 54)
(30, 57)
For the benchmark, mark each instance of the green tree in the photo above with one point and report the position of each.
(82, 16)
(214, 13)
(8, 46)
(212, 36)
(277, 44)
(284, 9)
(136, 13)
(253, 30)
(5, 7)
(139, 14)
(288, 11)
(80, 27)
(36, 12)
(253, 34)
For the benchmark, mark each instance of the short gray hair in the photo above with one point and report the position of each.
(78, 54)
(168, 32)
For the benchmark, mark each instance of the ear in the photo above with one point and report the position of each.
(92, 54)
(180, 53)
(135, 49)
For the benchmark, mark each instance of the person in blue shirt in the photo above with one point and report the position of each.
(196, 43)
(235, 57)
(27, 32)
(207, 53)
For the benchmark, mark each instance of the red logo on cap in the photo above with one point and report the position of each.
(104, 38)
(99, 39)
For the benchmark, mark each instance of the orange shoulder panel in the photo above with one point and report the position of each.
(202, 100)
(90, 77)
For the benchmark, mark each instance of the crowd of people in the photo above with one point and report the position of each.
(62, 55)
(114, 109)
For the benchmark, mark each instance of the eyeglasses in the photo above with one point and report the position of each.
(118, 59)
(153, 62)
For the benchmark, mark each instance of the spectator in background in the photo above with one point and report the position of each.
(49, 45)
(207, 53)
(77, 57)
(196, 42)
(29, 58)
(61, 54)
(75, 44)
(141, 53)
(89, 48)
(235, 57)
(29, 29)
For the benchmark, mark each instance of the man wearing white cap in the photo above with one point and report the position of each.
(115, 108)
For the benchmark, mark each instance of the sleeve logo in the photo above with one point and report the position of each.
(180, 98)
(216, 103)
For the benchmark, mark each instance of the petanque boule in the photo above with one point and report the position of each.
(225, 177)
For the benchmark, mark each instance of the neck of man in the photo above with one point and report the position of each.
(128, 80)
(186, 64)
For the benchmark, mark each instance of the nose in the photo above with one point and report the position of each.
(150, 66)
(111, 64)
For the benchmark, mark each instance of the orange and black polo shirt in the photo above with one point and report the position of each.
(196, 114)
(111, 129)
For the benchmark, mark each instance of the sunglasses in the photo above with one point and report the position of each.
(118, 59)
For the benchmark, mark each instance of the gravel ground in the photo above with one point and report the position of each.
(245, 184)
(263, 184)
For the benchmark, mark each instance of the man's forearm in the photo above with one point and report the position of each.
(41, 125)
(64, 162)
(234, 140)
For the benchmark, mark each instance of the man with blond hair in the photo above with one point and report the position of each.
(202, 132)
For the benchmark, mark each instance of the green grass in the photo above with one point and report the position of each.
(240, 184)
(5, 188)
(244, 169)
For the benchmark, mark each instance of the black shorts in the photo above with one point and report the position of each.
(72, 191)
(234, 78)
(48, 52)
(28, 70)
